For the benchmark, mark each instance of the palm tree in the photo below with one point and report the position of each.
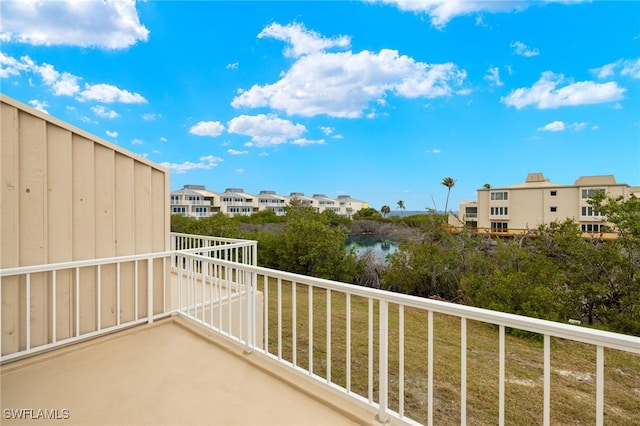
(449, 183)
(385, 210)
(401, 205)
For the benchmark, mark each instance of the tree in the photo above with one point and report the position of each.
(624, 293)
(449, 183)
(401, 205)
(366, 213)
(385, 210)
(309, 245)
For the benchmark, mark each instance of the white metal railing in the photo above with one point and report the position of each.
(295, 320)
(83, 303)
(233, 249)
(214, 275)
(57, 304)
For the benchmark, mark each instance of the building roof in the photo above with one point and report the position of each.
(608, 180)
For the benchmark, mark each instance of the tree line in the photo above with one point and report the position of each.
(552, 273)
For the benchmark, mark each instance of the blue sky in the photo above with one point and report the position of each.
(377, 99)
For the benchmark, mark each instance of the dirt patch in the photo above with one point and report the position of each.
(581, 377)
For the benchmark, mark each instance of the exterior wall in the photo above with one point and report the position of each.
(234, 202)
(539, 201)
(67, 195)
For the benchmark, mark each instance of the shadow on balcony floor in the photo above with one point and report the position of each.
(170, 373)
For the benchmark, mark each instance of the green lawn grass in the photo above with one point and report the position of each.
(573, 364)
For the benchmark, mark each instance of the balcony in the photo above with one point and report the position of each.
(201, 335)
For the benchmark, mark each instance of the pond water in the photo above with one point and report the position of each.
(380, 246)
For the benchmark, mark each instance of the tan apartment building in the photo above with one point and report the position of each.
(514, 209)
(197, 201)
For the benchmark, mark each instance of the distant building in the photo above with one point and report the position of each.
(514, 209)
(197, 201)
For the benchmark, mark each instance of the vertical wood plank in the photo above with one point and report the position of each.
(32, 227)
(84, 226)
(124, 231)
(159, 232)
(9, 227)
(59, 222)
(142, 224)
(105, 230)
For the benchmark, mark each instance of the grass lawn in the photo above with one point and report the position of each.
(573, 364)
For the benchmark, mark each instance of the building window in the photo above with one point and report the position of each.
(589, 212)
(553, 193)
(498, 196)
(588, 193)
(499, 226)
(499, 211)
(593, 227)
(179, 210)
(234, 209)
(553, 209)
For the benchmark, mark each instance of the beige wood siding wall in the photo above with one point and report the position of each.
(67, 195)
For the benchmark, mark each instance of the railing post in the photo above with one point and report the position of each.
(383, 373)
(149, 290)
(250, 323)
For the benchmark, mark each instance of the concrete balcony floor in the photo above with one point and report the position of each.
(172, 372)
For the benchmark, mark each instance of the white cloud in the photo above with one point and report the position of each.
(67, 84)
(207, 128)
(236, 152)
(163, 139)
(102, 112)
(305, 142)
(110, 24)
(558, 126)
(433, 151)
(554, 126)
(10, 66)
(630, 67)
(493, 76)
(344, 84)
(151, 116)
(545, 93)
(111, 134)
(137, 142)
(265, 130)
(39, 105)
(327, 130)
(108, 94)
(239, 170)
(206, 163)
(302, 41)
(523, 50)
(605, 70)
(443, 11)
(233, 66)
